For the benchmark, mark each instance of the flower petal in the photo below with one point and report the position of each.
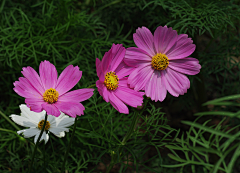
(123, 70)
(176, 83)
(48, 75)
(68, 79)
(118, 52)
(35, 104)
(23, 121)
(77, 95)
(98, 67)
(61, 134)
(43, 137)
(27, 133)
(65, 122)
(51, 119)
(135, 56)
(155, 88)
(118, 104)
(183, 48)
(140, 76)
(33, 78)
(46, 138)
(164, 39)
(106, 61)
(27, 113)
(58, 131)
(143, 38)
(129, 96)
(25, 89)
(70, 108)
(189, 66)
(51, 109)
(103, 91)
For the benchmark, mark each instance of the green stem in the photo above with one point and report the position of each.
(91, 86)
(10, 131)
(136, 116)
(131, 129)
(66, 153)
(8, 119)
(39, 137)
(44, 160)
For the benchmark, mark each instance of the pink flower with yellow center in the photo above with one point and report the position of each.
(161, 62)
(112, 84)
(49, 92)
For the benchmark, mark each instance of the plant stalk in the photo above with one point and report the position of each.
(13, 124)
(39, 137)
(136, 116)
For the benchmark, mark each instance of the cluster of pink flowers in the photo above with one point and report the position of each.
(155, 66)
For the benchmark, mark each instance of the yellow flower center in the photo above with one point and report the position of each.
(160, 61)
(50, 95)
(40, 125)
(111, 80)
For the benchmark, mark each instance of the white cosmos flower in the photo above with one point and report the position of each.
(56, 125)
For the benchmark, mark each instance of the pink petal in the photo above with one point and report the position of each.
(164, 39)
(129, 96)
(123, 82)
(176, 83)
(118, 52)
(33, 78)
(98, 67)
(183, 48)
(118, 104)
(35, 104)
(77, 95)
(140, 76)
(123, 70)
(51, 109)
(143, 38)
(71, 108)
(106, 61)
(155, 88)
(48, 75)
(24, 88)
(189, 66)
(99, 70)
(68, 79)
(103, 91)
(135, 56)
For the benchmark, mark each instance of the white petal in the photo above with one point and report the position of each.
(58, 130)
(66, 122)
(62, 116)
(61, 134)
(27, 133)
(52, 120)
(43, 137)
(23, 121)
(46, 137)
(30, 114)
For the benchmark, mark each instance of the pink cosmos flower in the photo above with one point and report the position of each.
(50, 93)
(112, 84)
(161, 62)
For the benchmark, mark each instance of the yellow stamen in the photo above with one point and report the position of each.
(40, 125)
(50, 95)
(111, 80)
(160, 61)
